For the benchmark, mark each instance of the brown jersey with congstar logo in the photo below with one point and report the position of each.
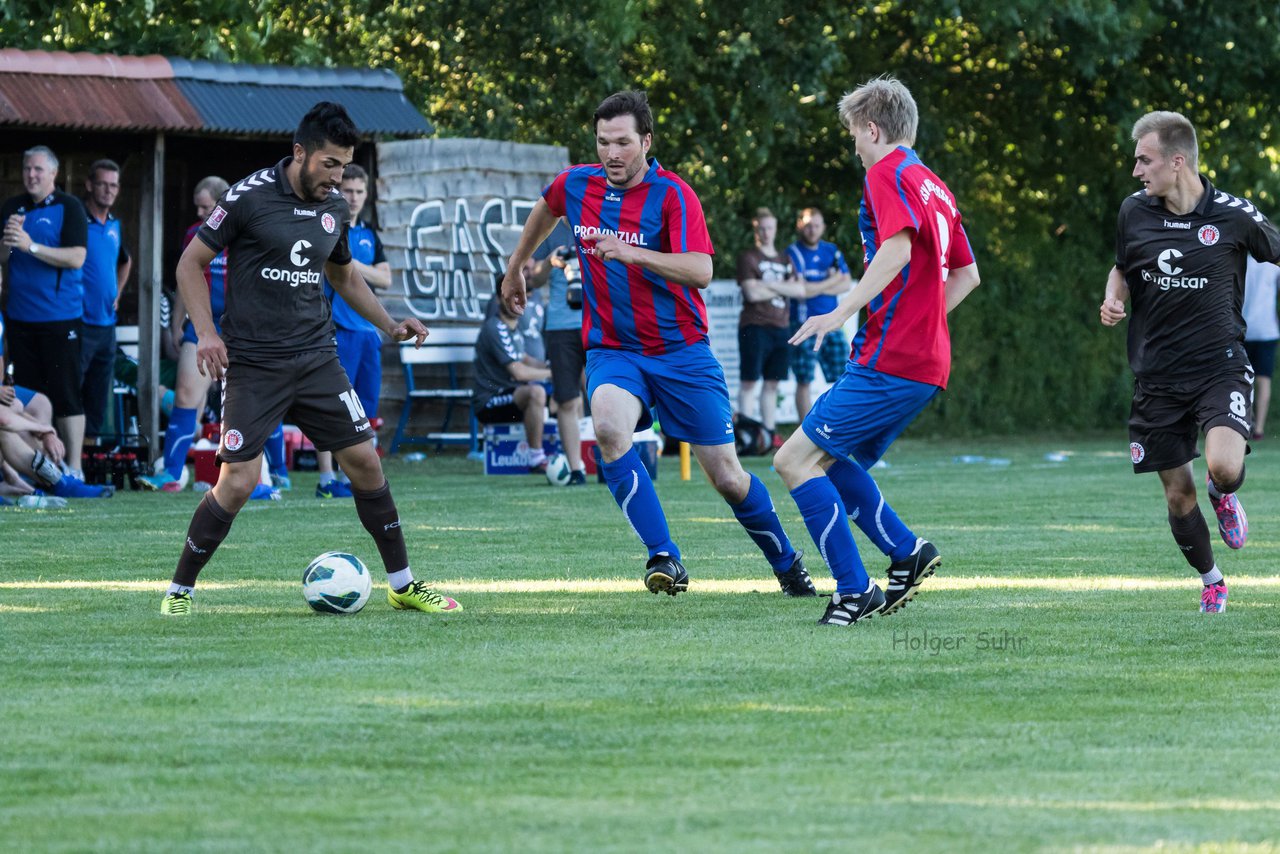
(277, 245)
(1186, 278)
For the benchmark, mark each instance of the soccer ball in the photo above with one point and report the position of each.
(558, 470)
(336, 583)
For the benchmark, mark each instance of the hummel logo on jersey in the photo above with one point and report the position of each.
(301, 212)
(1185, 225)
(257, 179)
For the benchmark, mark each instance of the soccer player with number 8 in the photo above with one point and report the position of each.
(1180, 255)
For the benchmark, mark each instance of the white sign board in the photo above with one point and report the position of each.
(724, 304)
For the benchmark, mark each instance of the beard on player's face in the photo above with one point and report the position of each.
(314, 179)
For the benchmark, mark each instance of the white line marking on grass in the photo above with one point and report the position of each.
(630, 585)
(1219, 804)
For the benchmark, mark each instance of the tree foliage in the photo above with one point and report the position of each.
(1025, 112)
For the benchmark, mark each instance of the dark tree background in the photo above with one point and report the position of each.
(1025, 112)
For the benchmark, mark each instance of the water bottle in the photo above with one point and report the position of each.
(42, 502)
(133, 431)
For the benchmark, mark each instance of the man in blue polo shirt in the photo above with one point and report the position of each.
(359, 344)
(826, 278)
(45, 233)
(106, 269)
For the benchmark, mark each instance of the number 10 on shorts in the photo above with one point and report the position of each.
(352, 400)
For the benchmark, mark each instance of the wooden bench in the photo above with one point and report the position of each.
(450, 347)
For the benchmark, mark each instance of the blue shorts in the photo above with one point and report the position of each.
(189, 330)
(687, 389)
(25, 395)
(361, 356)
(859, 417)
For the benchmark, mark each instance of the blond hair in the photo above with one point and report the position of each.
(1174, 133)
(888, 103)
(213, 185)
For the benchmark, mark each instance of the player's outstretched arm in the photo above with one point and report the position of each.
(960, 283)
(888, 262)
(692, 269)
(536, 229)
(348, 282)
(1117, 293)
(211, 353)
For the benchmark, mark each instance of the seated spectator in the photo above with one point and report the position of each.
(31, 451)
(508, 383)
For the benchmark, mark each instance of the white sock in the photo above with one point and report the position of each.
(326, 478)
(1213, 490)
(537, 456)
(401, 579)
(174, 587)
(1213, 576)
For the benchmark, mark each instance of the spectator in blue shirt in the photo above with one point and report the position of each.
(106, 269)
(359, 343)
(822, 268)
(45, 232)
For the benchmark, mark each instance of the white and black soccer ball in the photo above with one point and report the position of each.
(336, 583)
(558, 471)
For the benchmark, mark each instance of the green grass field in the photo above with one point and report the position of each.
(1054, 687)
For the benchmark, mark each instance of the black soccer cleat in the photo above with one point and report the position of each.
(665, 574)
(796, 581)
(847, 609)
(906, 575)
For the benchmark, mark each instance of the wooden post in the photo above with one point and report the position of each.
(150, 236)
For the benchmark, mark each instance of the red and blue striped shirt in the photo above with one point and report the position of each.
(627, 307)
(906, 333)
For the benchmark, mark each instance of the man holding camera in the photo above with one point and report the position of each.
(565, 354)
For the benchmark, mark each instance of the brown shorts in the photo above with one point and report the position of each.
(1165, 421)
(308, 389)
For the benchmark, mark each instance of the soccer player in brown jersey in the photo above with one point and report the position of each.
(1181, 246)
(287, 229)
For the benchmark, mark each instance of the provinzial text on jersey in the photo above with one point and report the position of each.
(591, 232)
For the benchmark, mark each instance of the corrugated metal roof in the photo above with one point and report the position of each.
(95, 103)
(251, 108)
(153, 67)
(109, 92)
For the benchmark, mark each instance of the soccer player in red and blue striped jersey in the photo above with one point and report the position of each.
(645, 255)
(919, 266)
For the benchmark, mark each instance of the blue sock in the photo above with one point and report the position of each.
(632, 488)
(276, 460)
(758, 517)
(825, 517)
(870, 513)
(177, 439)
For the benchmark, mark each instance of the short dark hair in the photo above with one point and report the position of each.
(326, 122)
(103, 165)
(626, 103)
(353, 171)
